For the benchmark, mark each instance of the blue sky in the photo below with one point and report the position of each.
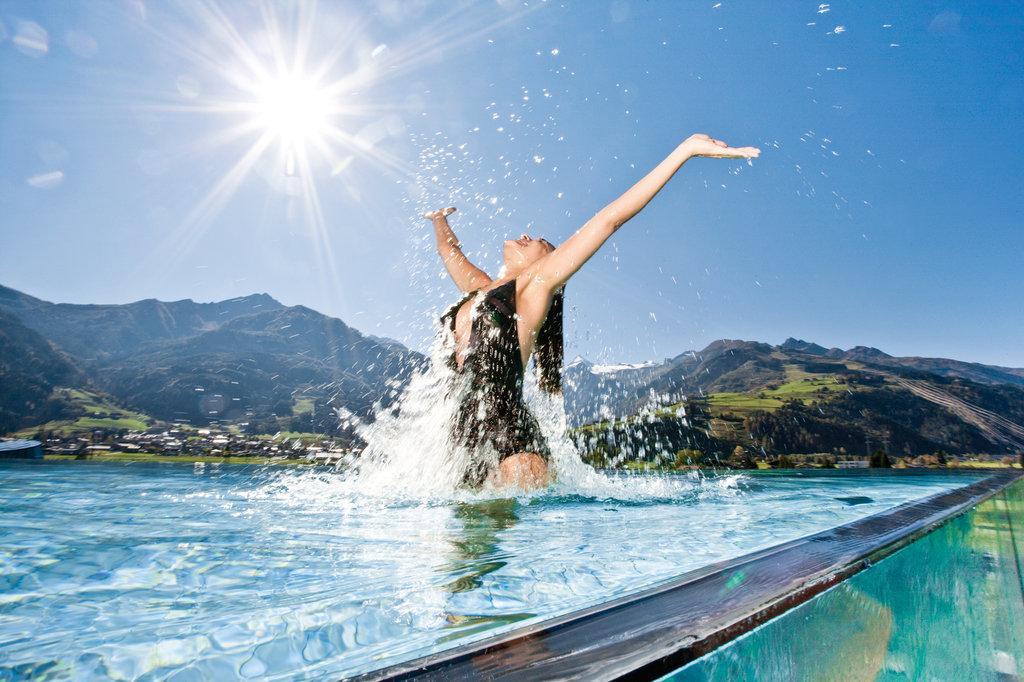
(885, 210)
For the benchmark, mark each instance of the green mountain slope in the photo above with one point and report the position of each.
(30, 368)
(801, 398)
(249, 358)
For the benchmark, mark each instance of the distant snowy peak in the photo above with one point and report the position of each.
(615, 369)
(582, 363)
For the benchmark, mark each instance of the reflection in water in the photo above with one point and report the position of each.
(477, 548)
(477, 554)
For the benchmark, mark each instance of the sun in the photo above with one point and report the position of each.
(298, 102)
(294, 109)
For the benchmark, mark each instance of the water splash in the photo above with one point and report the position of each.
(409, 450)
(410, 457)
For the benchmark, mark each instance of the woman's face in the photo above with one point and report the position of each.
(521, 252)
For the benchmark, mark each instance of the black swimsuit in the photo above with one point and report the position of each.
(492, 413)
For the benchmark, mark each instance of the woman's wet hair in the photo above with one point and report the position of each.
(549, 349)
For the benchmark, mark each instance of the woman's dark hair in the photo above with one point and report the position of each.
(549, 350)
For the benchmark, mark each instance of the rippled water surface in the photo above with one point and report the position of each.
(217, 572)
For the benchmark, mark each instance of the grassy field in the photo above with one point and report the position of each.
(800, 385)
(302, 406)
(742, 402)
(99, 414)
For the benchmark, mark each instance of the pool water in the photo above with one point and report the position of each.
(214, 572)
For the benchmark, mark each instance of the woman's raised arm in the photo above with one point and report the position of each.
(553, 270)
(467, 276)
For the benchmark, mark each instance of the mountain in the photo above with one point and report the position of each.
(246, 358)
(801, 346)
(255, 361)
(594, 392)
(724, 365)
(101, 332)
(608, 391)
(30, 368)
(799, 397)
(256, 364)
(602, 391)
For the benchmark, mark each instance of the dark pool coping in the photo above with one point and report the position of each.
(653, 632)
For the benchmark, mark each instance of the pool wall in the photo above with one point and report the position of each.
(948, 606)
(659, 631)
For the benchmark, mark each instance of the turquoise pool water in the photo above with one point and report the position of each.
(949, 606)
(219, 572)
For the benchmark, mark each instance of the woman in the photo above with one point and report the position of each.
(501, 322)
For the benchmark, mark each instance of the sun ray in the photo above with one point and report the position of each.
(179, 242)
(324, 251)
(451, 31)
(308, 107)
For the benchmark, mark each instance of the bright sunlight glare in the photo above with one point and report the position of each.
(297, 92)
(293, 108)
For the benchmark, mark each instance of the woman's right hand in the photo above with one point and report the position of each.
(704, 145)
(439, 213)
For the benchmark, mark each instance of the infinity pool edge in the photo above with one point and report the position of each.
(654, 631)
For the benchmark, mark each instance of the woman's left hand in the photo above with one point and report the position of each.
(439, 213)
(704, 145)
